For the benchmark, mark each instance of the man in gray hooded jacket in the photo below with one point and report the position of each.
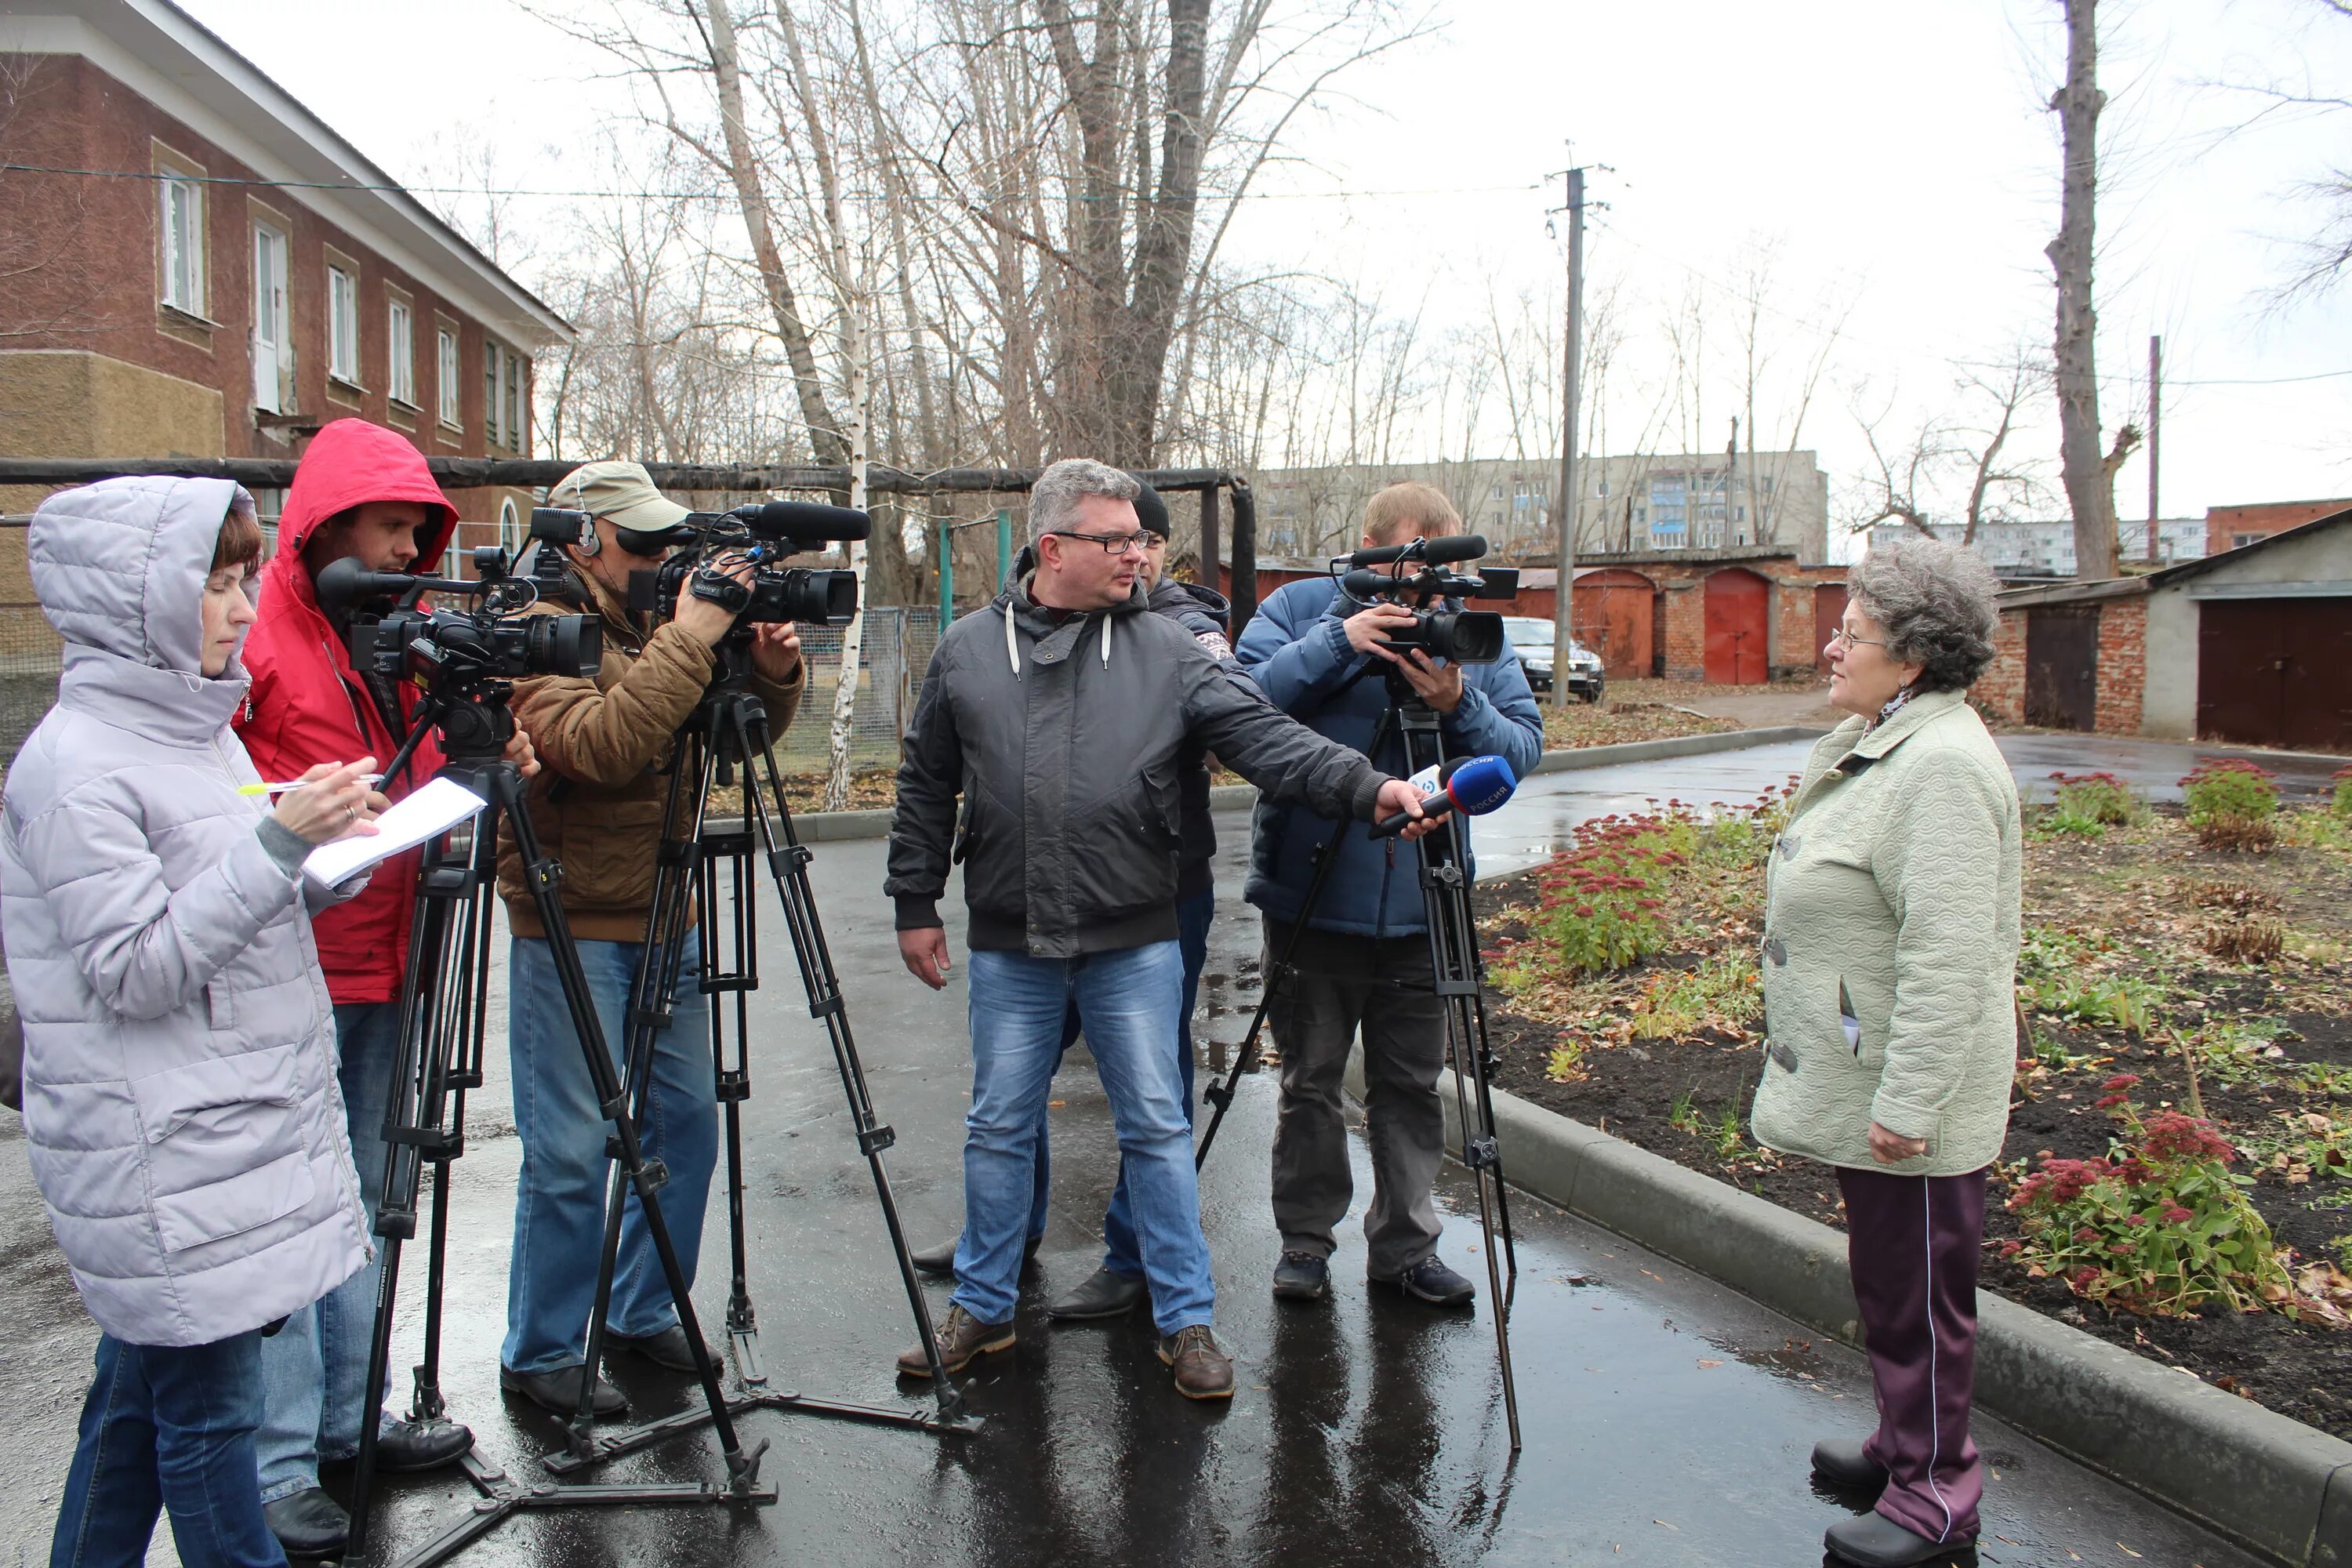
(1059, 714)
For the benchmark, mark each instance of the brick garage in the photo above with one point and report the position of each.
(2252, 646)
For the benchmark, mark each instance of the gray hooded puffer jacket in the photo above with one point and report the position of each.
(180, 1097)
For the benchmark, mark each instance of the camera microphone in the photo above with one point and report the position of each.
(1434, 551)
(1472, 786)
(796, 520)
(343, 583)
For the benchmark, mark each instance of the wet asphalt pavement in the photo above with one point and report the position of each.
(1666, 1419)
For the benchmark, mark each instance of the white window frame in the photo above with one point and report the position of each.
(180, 248)
(273, 319)
(448, 393)
(511, 531)
(342, 324)
(400, 351)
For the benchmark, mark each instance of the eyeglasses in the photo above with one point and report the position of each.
(1112, 543)
(1850, 640)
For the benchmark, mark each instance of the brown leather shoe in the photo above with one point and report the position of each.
(1202, 1371)
(961, 1337)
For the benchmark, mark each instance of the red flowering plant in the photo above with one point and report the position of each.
(2232, 803)
(1602, 905)
(2160, 1223)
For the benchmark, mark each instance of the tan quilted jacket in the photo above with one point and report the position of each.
(1890, 945)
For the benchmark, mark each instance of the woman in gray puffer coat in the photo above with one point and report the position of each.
(180, 1095)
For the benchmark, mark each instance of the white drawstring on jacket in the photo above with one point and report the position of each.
(1013, 645)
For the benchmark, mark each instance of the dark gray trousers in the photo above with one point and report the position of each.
(1380, 986)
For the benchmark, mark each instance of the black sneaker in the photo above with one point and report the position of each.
(1302, 1277)
(409, 1446)
(1430, 1280)
(668, 1348)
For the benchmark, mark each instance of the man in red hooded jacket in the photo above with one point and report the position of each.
(361, 492)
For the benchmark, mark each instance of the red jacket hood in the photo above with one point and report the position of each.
(352, 462)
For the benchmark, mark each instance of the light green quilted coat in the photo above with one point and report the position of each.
(1890, 945)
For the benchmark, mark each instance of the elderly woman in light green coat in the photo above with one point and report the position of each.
(1890, 954)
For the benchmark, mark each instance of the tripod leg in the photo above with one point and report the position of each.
(411, 1121)
(740, 975)
(1221, 1095)
(788, 861)
(540, 873)
(652, 984)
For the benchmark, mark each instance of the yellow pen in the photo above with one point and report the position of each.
(296, 784)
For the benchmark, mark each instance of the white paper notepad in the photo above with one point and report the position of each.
(432, 811)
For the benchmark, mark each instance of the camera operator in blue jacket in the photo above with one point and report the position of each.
(1364, 961)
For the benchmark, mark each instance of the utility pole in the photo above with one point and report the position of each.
(2155, 402)
(1563, 636)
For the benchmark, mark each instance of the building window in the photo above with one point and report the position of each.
(517, 434)
(452, 413)
(182, 217)
(2240, 541)
(1669, 500)
(403, 382)
(273, 338)
(343, 326)
(491, 354)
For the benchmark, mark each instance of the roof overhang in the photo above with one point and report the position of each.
(171, 61)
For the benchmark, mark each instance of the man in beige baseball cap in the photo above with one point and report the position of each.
(597, 806)
(624, 495)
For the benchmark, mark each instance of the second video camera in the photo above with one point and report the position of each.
(395, 637)
(1415, 577)
(760, 535)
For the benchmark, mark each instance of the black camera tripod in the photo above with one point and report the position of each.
(1457, 971)
(444, 1002)
(698, 870)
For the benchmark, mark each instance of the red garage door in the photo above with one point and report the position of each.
(1613, 619)
(1829, 610)
(1736, 652)
(2276, 672)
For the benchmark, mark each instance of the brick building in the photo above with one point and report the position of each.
(2250, 644)
(201, 266)
(2236, 527)
(1730, 616)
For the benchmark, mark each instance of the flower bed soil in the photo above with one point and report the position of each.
(2129, 895)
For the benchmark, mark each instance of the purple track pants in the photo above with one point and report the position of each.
(1913, 1243)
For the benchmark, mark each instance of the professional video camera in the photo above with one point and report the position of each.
(1415, 577)
(760, 534)
(437, 647)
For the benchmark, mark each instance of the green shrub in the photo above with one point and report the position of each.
(2160, 1223)
(2231, 804)
(1722, 991)
(2089, 803)
(2342, 802)
(2056, 974)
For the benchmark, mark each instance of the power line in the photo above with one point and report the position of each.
(362, 187)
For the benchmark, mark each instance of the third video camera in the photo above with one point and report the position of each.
(1416, 576)
(760, 535)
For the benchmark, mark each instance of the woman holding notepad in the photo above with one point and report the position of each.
(181, 1104)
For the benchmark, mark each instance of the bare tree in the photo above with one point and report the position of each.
(2089, 473)
(1994, 473)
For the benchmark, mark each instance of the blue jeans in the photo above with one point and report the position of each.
(1126, 1003)
(314, 1370)
(168, 1427)
(560, 1197)
(1121, 1255)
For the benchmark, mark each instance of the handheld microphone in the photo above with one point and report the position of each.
(1472, 786)
(796, 520)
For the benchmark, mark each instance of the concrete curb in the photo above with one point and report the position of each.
(2281, 1488)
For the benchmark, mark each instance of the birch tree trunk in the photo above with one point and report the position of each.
(2090, 482)
(853, 637)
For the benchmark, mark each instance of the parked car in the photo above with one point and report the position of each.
(1532, 639)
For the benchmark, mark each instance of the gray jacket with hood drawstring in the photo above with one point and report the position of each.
(1063, 735)
(179, 1099)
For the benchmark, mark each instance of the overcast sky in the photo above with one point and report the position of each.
(1898, 157)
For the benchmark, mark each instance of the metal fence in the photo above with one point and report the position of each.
(896, 651)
